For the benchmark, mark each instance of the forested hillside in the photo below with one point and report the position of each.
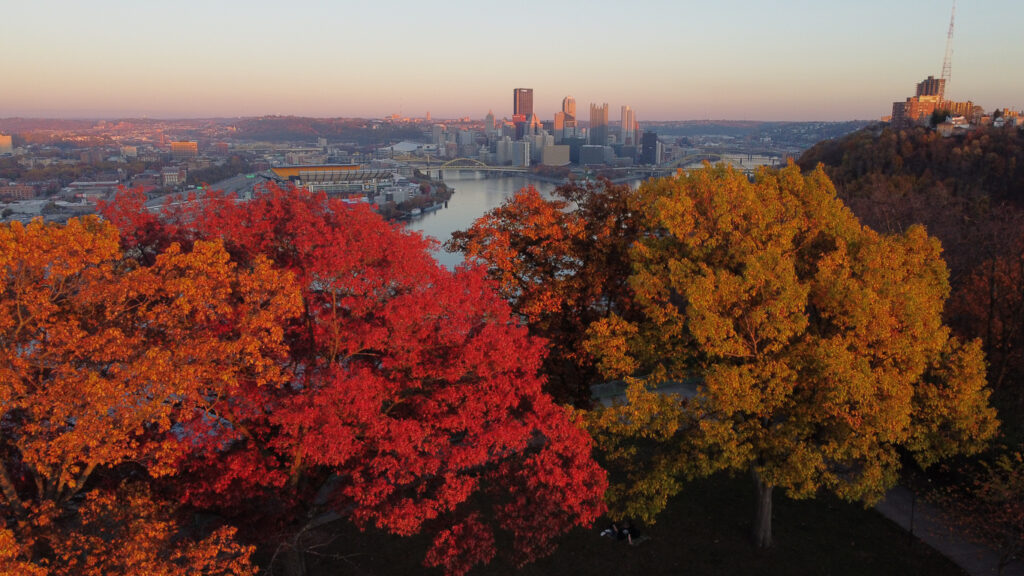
(968, 190)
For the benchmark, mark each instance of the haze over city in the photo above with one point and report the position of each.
(738, 59)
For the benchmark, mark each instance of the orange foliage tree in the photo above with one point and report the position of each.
(412, 388)
(817, 343)
(563, 264)
(100, 357)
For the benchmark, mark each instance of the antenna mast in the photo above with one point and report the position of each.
(947, 61)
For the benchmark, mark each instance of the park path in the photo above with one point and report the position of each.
(923, 520)
(929, 524)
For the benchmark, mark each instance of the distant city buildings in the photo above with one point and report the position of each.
(6, 144)
(172, 176)
(184, 150)
(555, 155)
(522, 102)
(569, 108)
(598, 131)
(522, 111)
(565, 121)
(652, 149)
(628, 127)
(15, 192)
(930, 98)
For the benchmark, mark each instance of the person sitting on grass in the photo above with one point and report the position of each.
(626, 532)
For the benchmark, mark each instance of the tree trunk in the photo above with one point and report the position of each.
(10, 493)
(763, 513)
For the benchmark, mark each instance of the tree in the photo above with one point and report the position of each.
(989, 506)
(98, 358)
(938, 117)
(412, 389)
(128, 531)
(989, 303)
(818, 343)
(562, 263)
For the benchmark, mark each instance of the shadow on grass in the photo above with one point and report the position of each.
(704, 531)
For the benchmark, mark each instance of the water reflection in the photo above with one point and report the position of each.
(473, 197)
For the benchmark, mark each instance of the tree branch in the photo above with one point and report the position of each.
(10, 493)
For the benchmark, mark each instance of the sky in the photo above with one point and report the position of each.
(796, 60)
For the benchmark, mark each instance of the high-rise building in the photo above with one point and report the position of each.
(627, 130)
(522, 102)
(521, 153)
(598, 133)
(929, 98)
(6, 144)
(651, 150)
(489, 121)
(931, 86)
(565, 121)
(569, 108)
(533, 125)
(439, 137)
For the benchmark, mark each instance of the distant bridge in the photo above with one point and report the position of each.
(466, 165)
(623, 173)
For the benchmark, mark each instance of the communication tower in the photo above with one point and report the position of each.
(947, 61)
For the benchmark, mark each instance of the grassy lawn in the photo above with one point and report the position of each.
(705, 530)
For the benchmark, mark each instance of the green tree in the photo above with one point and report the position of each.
(818, 345)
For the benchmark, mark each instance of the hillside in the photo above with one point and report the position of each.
(968, 191)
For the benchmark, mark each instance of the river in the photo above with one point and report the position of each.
(472, 198)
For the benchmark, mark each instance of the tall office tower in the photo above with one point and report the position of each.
(489, 121)
(522, 102)
(569, 108)
(651, 150)
(627, 129)
(598, 135)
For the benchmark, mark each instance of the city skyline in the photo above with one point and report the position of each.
(732, 60)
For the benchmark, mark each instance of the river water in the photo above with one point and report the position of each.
(472, 198)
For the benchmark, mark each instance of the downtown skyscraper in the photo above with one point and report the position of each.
(565, 120)
(522, 104)
(569, 108)
(628, 127)
(598, 132)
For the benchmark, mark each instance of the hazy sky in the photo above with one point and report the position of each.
(668, 59)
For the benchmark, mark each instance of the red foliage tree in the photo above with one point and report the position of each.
(989, 303)
(563, 264)
(412, 388)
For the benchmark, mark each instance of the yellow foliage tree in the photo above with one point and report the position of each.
(817, 343)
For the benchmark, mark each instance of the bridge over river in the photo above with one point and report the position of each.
(472, 165)
(747, 164)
